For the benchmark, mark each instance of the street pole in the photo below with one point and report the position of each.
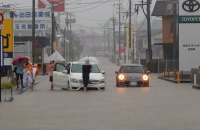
(104, 40)
(113, 20)
(148, 17)
(53, 26)
(65, 45)
(108, 42)
(71, 44)
(130, 36)
(149, 29)
(33, 32)
(119, 30)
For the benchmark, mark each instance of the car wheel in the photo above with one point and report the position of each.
(52, 86)
(68, 86)
(145, 85)
(117, 84)
(103, 88)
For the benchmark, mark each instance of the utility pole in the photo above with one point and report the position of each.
(130, 28)
(53, 28)
(108, 41)
(33, 31)
(114, 41)
(149, 29)
(119, 30)
(104, 40)
(148, 17)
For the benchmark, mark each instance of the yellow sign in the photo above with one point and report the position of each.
(8, 33)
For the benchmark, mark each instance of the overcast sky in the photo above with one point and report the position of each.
(90, 14)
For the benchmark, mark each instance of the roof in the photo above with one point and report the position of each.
(163, 8)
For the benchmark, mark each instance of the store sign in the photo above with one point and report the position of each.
(26, 14)
(189, 40)
(189, 19)
(28, 26)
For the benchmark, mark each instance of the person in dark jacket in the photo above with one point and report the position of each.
(86, 69)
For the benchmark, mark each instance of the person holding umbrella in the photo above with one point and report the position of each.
(19, 72)
(86, 69)
(18, 62)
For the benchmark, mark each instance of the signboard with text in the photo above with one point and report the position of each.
(28, 26)
(189, 38)
(26, 14)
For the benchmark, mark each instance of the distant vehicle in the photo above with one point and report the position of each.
(70, 76)
(132, 75)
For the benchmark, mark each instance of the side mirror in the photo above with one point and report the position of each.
(65, 71)
(103, 72)
(116, 72)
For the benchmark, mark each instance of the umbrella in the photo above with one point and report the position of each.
(56, 56)
(17, 59)
(90, 58)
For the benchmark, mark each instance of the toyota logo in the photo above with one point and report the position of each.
(191, 5)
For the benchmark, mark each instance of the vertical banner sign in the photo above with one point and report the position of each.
(189, 38)
(1, 49)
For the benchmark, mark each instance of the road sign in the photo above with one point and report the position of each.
(1, 18)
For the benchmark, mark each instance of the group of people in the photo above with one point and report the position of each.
(86, 69)
(26, 73)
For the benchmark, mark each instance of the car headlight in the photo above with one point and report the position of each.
(74, 80)
(121, 77)
(102, 81)
(145, 78)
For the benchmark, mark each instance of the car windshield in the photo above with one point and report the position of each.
(77, 68)
(132, 69)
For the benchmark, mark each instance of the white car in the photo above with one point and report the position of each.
(70, 76)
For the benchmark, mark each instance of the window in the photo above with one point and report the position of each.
(60, 67)
(132, 69)
(77, 68)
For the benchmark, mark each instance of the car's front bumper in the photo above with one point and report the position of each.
(132, 83)
(77, 86)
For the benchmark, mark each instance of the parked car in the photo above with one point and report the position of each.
(132, 75)
(70, 76)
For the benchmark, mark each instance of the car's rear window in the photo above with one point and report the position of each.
(131, 69)
(77, 68)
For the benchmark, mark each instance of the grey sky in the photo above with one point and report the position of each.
(93, 16)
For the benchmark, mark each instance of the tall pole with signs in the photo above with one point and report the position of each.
(1, 51)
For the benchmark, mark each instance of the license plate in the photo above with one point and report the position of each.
(133, 83)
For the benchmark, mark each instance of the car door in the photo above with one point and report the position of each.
(60, 75)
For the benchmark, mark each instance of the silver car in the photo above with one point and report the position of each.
(132, 75)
